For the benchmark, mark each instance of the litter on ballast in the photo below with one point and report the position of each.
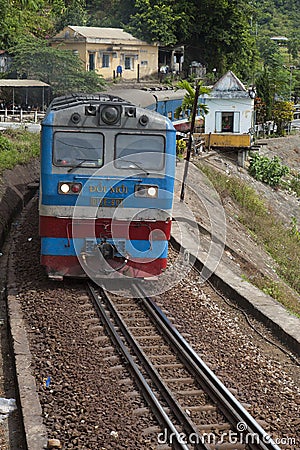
(7, 405)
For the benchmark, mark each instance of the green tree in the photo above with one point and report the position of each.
(272, 84)
(189, 98)
(269, 52)
(283, 113)
(294, 46)
(73, 13)
(61, 69)
(113, 13)
(30, 4)
(222, 36)
(156, 21)
(266, 92)
(19, 19)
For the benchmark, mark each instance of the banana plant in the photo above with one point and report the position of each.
(188, 99)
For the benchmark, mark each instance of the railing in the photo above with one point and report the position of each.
(20, 115)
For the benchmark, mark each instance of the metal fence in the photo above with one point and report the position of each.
(20, 115)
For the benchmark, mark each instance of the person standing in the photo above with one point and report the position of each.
(119, 70)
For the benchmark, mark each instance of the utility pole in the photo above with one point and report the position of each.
(188, 154)
(291, 80)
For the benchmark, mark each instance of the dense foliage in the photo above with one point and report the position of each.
(61, 69)
(221, 34)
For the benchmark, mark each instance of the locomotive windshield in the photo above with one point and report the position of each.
(73, 149)
(144, 151)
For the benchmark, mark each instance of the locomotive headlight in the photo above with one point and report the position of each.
(69, 188)
(110, 115)
(64, 188)
(145, 190)
(152, 191)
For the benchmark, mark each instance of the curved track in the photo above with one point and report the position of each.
(193, 408)
(92, 402)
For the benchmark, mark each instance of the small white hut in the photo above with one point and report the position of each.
(231, 113)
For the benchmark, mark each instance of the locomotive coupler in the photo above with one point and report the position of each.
(108, 250)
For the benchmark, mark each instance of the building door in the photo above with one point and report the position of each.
(227, 122)
(91, 61)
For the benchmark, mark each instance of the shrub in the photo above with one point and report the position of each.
(269, 171)
(180, 147)
(5, 144)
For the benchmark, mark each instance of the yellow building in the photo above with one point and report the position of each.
(106, 50)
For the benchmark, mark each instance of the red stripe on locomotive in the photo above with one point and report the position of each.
(69, 266)
(85, 228)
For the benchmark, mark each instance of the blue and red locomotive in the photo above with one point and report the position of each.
(106, 192)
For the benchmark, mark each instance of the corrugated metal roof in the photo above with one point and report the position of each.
(22, 83)
(230, 83)
(146, 99)
(138, 97)
(104, 33)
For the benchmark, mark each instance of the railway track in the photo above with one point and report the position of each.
(92, 402)
(193, 408)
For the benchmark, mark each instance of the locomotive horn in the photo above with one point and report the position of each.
(90, 110)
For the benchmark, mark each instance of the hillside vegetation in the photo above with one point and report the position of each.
(222, 34)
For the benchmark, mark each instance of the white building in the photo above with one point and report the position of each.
(231, 107)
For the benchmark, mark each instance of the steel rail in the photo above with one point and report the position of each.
(157, 408)
(227, 403)
(189, 427)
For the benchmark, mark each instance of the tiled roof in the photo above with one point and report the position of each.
(103, 33)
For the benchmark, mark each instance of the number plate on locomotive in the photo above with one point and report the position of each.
(105, 202)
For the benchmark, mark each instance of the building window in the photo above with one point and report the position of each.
(105, 60)
(128, 63)
(227, 122)
(144, 63)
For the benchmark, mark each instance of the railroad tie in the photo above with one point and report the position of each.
(179, 380)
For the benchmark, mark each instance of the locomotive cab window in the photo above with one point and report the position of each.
(144, 152)
(72, 149)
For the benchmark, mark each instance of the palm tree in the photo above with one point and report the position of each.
(189, 97)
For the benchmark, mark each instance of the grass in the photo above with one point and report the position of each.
(293, 183)
(17, 147)
(276, 289)
(281, 243)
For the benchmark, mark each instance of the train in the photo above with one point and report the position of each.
(106, 188)
(166, 100)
